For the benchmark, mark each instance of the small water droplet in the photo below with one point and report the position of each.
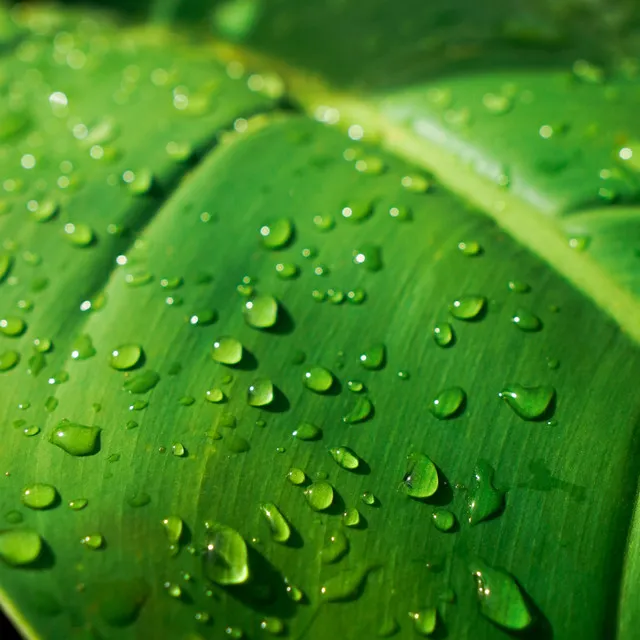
(530, 403)
(287, 270)
(93, 541)
(215, 395)
(324, 222)
(78, 504)
(518, 286)
(82, 348)
(140, 499)
(448, 403)
(39, 496)
(369, 256)
(355, 386)
(261, 312)
(276, 234)
(357, 211)
(12, 326)
(125, 357)
(307, 431)
(20, 547)
(13, 517)
(336, 546)
(317, 379)
(280, 530)
(8, 360)
(271, 625)
(173, 527)
(526, 321)
(186, 401)
(260, 393)
(421, 478)
(345, 585)
(415, 183)
(443, 519)
(173, 589)
(361, 411)
(138, 405)
(79, 235)
(468, 307)
(296, 476)
(374, 357)
(178, 450)
(471, 248)
(294, 592)
(443, 334)
(227, 350)
(424, 621)
(236, 444)
(203, 317)
(225, 559)
(483, 500)
(345, 457)
(351, 517)
(579, 243)
(368, 498)
(319, 495)
(141, 382)
(76, 439)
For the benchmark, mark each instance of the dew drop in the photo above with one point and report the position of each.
(93, 541)
(280, 530)
(530, 403)
(443, 520)
(425, 621)
(448, 403)
(361, 411)
(227, 350)
(225, 558)
(471, 248)
(345, 585)
(260, 393)
(203, 317)
(319, 495)
(125, 357)
(9, 359)
(79, 235)
(318, 379)
(39, 496)
(82, 348)
(518, 286)
(374, 357)
(139, 499)
(369, 256)
(261, 312)
(293, 592)
(178, 450)
(351, 517)
(12, 326)
(336, 546)
(287, 270)
(345, 458)
(468, 307)
(20, 547)
(307, 431)
(484, 501)
(415, 183)
(141, 382)
(276, 234)
(368, 498)
(272, 625)
(421, 478)
(296, 476)
(78, 504)
(443, 334)
(357, 211)
(76, 439)
(526, 321)
(173, 527)
(215, 395)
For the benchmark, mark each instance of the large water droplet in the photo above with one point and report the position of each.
(125, 357)
(280, 530)
(260, 393)
(483, 500)
(76, 439)
(345, 457)
(530, 403)
(351, 517)
(225, 558)
(319, 495)
(317, 379)
(421, 478)
(448, 403)
(361, 411)
(261, 312)
(39, 496)
(276, 234)
(227, 350)
(20, 547)
(500, 597)
(142, 382)
(336, 546)
(468, 307)
(374, 357)
(526, 321)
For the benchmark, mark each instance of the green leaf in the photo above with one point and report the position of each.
(205, 245)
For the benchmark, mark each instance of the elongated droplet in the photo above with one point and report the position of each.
(125, 357)
(225, 558)
(483, 499)
(500, 597)
(345, 585)
(448, 403)
(318, 379)
(424, 621)
(20, 547)
(336, 546)
(345, 457)
(93, 541)
(203, 317)
(526, 321)
(358, 211)
(227, 350)
(530, 403)
(82, 348)
(142, 382)
(38, 496)
(276, 234)
(76, 439)
(173, 527)
(78, 504)
(518, 286)
(361, 410)
(280, 530)
(467, 308)
(443, 334)
(6, 262)
(443, 519)
(374, 357)
(307, 431)
(421, 478)
(471, 248)
(261, 312)
(12, 326)
(215, 395)
(8, 360)
(260, 393)
(319, 495)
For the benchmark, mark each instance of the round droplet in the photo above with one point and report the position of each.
(484, 501)
(369, 256)
(443, 334)
(125, 357)
(361, 411)
(467, 308)
(76, 439)
(526, 321)
(319, 495)
(307, 431)
(296, 476)
(357, 296)
(471, 248)
(227, 350)
(443, 519)
(173, 589)
(530, 403)
(20, 547)
(261, 312)
(260, 393)
(142, 382)
(280, 530)
(351, 517)
(368, 498)
(276, 234)
(336, 546)
(421, 478)
(318, 379)
(448, 403)
(93, 541)
(178, 450)
(38, 496)
(225, 559)
(80, 235)
(8, 360)
(215, 395)
(374, 357)
(140, 499)
(345, 457)
(12, 326)
(500, 597)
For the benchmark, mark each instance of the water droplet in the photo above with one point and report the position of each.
(296, 476)
(368, 498)
(93, 541)
(448, 403)
(358, 211)
(421, 478)
(225, 559)
(345, 585)
(415, 183)
(294, 592)
(261, 312)
(472, 248)
(42, 345)
(227, 350)
(443, 334)
(468, 307)
(36, 363)
(274, 626)
(173, 589)
(518, 286)
(33, 430)
(579, 243)
(215, 395)
(186, 401)
(173, 527)
(260, 393)
(8, 360)
(336, 546)
(369, 256)
(526, 321)
(500, 597)
(140, 182)
(388, 627)
(82, 348)
(140, 278)
(319, 495)
(553, 363)
(357, 296)
(276, 234)
(6, 262)
(374, 357)
(76, 439)
(318, 379)
(59, 378)
(13, 517)
(324, 222)
(371, 165)
(12, 326)
(140, 499)
(351, 517)
(345, 457)
(307, 431)
(20, 547)
(424, 621)
(202, 617)
(280, 530)
(203, 317)
(178, 450)
(483, 500)
(287, 270)
(141, 382)
(443, 519)
(125, 357)
(78, 504)
(38, 496)
(530, 403)
(80, 235)
(236, 444)
(119, 601)
(361, 411)
(138, 405)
